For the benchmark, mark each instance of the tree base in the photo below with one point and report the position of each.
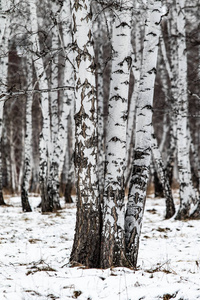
(170, 213)
(170, 208)
(2, 202)
(87, 239)
(24, 199)
(158, 189)
(182, 214)
(196, 214)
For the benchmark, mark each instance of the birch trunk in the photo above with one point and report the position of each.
(100, 103)
(2, 202)
(172, 70)
(86, 244)
(53, 178)
(113, 247)
(187, 193)
(100, 98)
(27, 142)
(142, 155)
(163, 179)
(68, 102)
(136, 67)
(45, 147)
(4, 38)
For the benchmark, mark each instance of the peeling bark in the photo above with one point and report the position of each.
(86, 246)
(100, 105)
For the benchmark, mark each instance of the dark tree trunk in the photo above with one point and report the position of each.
(2, 202)
(86, 246)
(24, 199)
(162, 179)
(46, 203)
(68, 192)
(158, 189)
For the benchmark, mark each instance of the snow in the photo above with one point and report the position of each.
(35, 250)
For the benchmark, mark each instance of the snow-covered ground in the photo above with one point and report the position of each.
(35, 249)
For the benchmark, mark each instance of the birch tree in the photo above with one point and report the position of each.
(136, 20)
(28, 138)
(113, 248)
(53, 177)
(100, 100)
(86, 244)
(142, 154)
(187, 192)
(45, 146)
(163, 178)
(67, 107)
(4, 39)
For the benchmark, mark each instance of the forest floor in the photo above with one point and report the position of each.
(35, 249)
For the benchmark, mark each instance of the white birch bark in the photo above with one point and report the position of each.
(4, 18)
(68, 101)
(100, 104)
(136, 67)
(172, 70)
(28, 139)
(113, 248)
(142, 155)
(187, 193)
(53, 177)
(87, 234)
(45, 145)
(12, 161)
(165, 75)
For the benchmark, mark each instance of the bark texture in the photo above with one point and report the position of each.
(66, 124)
(53, 177)
(187, 192)
(112, 244)
(4, 39)
(163, 179)
(86, 247)
(45, 145)
(27, 143)
(142, 155)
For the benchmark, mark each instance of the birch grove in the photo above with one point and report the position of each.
(98, 100)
